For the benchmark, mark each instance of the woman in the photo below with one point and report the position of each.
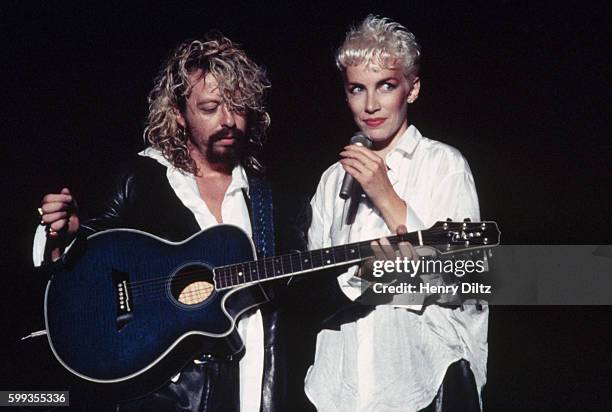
(394, 358)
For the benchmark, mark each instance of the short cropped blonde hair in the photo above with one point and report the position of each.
(380, 42)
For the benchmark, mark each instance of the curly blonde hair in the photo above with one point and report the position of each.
(242, 84)
(380, 41)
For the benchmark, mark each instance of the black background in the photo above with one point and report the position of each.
(519, 87)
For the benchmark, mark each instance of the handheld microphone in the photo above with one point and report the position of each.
(361, 139)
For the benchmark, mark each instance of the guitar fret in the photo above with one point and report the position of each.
(268, 268)
(239, 279)
(241, 274)
(328, 257)
(230, 276)
(247, 272)
(220, 277)
(352, 252)
(251, 271)
(254, 272)
(261, 269)
(317, 258)
(287, 264)
(365, 250)
(296, 262)
(301, 259)
(233, 275)
(339, 253)
(306, 260)
(291, 260)
(226, 277)
(278, 267)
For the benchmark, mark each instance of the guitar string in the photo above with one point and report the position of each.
(140, 290)
(392, 239)
(261, 265)
(262, 261)
(194, 289)
(252, 271)
(155, 288)
(224, 277)
(195, 293)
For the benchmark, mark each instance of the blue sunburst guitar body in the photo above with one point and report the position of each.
(117, 316)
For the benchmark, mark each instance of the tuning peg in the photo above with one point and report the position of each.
(467, 219)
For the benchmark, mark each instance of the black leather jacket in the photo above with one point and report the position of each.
(143, 199)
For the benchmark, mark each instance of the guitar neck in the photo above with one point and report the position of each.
(300, 262)
(445, 237)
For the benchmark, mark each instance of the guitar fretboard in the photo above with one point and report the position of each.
(299, 262)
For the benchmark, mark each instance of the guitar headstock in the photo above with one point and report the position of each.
(452, 237)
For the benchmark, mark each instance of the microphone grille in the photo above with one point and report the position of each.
(362, 139)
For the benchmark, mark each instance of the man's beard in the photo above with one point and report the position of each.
(226, 154)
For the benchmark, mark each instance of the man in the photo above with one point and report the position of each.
(206, 121)
(392, 357)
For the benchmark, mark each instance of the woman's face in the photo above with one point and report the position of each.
(378, 98)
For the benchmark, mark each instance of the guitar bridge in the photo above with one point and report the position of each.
(123, 298)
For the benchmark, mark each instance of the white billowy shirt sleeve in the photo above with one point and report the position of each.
(324, 213)
(38, 248)
(455, 198)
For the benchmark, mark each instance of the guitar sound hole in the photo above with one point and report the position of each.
(192, 285)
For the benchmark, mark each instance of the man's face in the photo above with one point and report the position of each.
(213, 130)
(378, 99)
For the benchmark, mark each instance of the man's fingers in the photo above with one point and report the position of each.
(53, 207)
(57, 197)
(58, 225)
(49, 218)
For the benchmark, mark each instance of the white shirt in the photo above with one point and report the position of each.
(233, 211)
(395, 359)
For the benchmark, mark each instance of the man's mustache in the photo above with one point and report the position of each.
(227, 133)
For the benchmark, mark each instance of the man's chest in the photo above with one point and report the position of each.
(213, 192)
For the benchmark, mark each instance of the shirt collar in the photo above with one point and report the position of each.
(409, 140)
(239, 176)
(405, 146)
(239, 180)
